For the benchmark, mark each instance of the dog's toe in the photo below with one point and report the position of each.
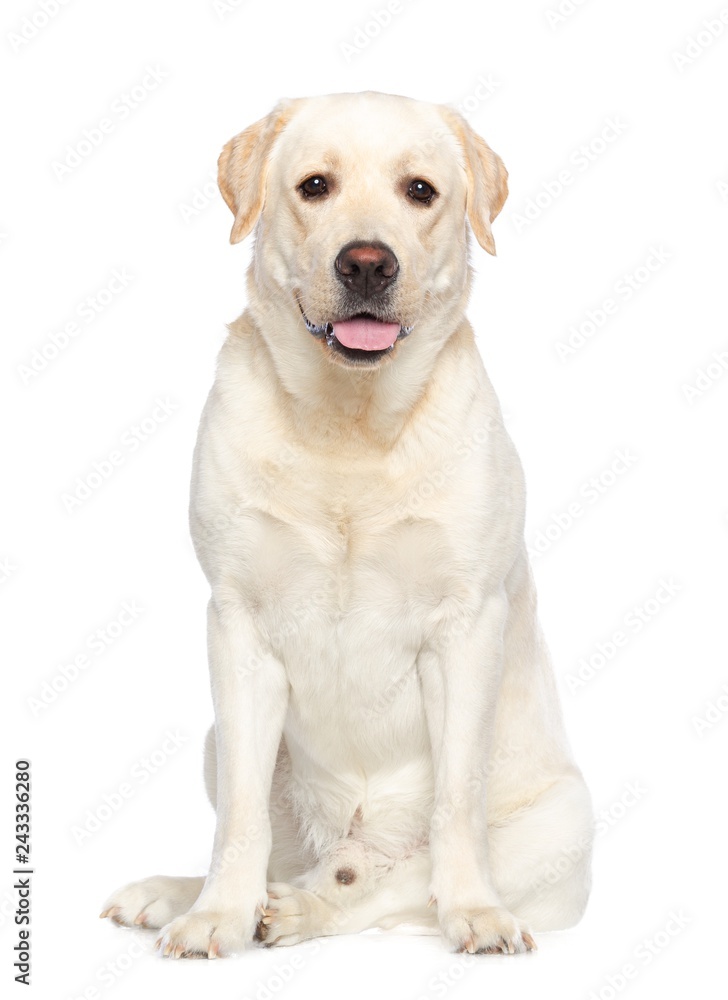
(152, 902)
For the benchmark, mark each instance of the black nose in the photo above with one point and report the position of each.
(366, 268)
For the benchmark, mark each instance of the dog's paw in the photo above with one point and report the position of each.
(293, 915)
(491, 930)
(153, 902)
(207, 934)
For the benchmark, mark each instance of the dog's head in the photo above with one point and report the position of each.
(361, 202)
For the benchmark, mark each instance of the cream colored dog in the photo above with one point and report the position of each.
(388, 744)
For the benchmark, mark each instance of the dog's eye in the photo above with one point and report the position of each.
(313, 187)
(421, 191)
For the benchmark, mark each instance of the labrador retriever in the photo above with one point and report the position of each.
(388, 744)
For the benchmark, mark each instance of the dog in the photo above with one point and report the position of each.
(388, 745)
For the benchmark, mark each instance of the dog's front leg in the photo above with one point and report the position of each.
(460, 672)
(250, 696)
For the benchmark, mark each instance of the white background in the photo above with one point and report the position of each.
(142, 202)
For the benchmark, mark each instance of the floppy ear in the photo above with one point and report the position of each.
(242, 168)
(487, 180)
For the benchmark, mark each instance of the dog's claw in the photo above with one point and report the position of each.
(529, 942)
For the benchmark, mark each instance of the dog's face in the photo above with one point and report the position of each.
(362, 201)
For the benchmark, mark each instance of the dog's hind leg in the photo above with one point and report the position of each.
(350, 890)
(540, 857)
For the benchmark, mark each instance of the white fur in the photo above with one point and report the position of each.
(384, 703)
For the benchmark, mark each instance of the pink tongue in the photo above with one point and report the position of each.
(366, 334)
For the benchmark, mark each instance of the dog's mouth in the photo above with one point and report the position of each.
(361, 339)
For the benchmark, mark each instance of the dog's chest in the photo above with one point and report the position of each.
(348, 576)
(348, 569)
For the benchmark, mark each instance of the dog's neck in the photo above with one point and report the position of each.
(349, 407)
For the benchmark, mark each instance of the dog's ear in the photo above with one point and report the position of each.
(242, 169)
(487, 180)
